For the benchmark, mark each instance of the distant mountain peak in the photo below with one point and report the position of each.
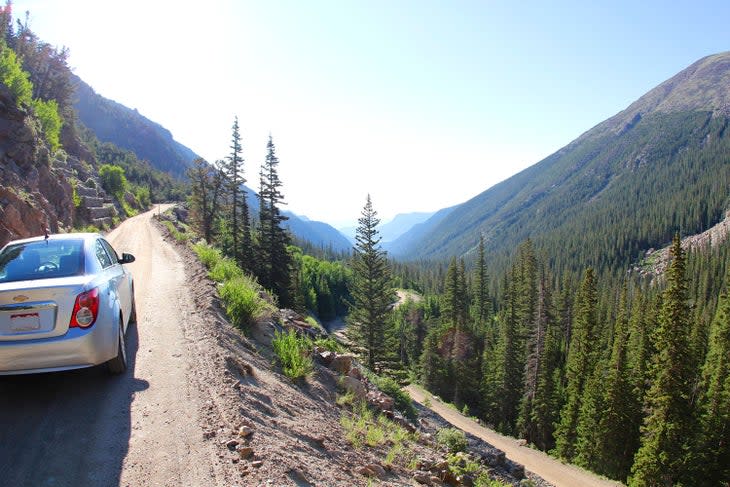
(703, 86)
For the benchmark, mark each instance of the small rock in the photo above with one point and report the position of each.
(257, 464)
(422, 478)
(372, 470)
(231, 444)
(521, 442)
(245, 431)
(245, 452)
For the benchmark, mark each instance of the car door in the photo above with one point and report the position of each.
(124, 287)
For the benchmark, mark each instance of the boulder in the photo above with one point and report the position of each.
(355, 386)
(342, 364)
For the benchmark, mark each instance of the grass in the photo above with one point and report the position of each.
(329, 343)
(207, 254)
(364, 428)
(224, 270)
(294, 354)
(243, 303)
(241, 294)
(176, 234)
(453, 439)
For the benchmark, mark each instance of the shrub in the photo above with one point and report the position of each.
(293, 353)
(51, 122)
(208, 255)
(113, 180)
(453, 439)
(224, 270)
(13, 76)
(242, 300)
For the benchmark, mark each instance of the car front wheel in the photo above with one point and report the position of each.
(118, 364)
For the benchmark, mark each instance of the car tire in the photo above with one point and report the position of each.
(133, 313)
(118, 365)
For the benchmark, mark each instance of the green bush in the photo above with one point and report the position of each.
(242, 300)
(208, 255)
(51, 122)
(224, 270)
(142, 193)
(452, 438)
(13, 76)
(113, 180)
(294, 354)
(401, 399)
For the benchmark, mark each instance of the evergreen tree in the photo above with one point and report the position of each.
(579, 366)
(538, 401)
(617, 431)
(274, 261)
(238, 220)
(482, 302)
(714, 443)
(371, 289)
(205, 190)
(662, 459)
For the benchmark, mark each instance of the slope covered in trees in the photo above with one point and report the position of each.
(628, 179)
(126, 128)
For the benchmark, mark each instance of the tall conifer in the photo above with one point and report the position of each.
(371, 287)
(663, 456)
(274, 261)
(579, 366)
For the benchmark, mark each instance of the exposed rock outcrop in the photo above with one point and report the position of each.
(35, 195)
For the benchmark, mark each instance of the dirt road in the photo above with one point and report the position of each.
(550, 469)
(85, 428)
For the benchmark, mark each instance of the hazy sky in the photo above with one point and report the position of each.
(422, 104)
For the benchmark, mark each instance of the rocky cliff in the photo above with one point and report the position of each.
(34, 195)
(42, 192)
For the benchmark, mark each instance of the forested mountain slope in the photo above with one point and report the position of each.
(661, 165)
(113, 122)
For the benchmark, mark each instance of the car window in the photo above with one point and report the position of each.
(43, 259)
(102, 255)
(110, 250)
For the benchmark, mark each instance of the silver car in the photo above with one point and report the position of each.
(66, 301)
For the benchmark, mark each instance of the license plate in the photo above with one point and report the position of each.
(25, 322)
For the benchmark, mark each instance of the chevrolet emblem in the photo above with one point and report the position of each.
(20, 298)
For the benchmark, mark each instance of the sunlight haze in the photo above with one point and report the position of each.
(421, 104)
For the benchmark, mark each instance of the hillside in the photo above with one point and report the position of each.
(656, 167)
(113, 122)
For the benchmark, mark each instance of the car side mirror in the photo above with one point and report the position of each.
(126, 258)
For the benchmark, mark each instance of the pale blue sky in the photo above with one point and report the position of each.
(422, 104)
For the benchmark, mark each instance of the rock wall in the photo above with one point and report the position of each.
(35, 194)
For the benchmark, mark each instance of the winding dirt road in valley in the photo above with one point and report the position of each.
(547, 467)
(143, 428)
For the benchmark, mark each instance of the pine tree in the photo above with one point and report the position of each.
(579, 366)
(371, 289)
(274, 261)
(238, 217)
(205, 190)
(482, 302)
(535, 419)
(715, 412)
(662, 459)
(617, 430)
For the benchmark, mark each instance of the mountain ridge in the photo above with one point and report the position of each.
(590, 177)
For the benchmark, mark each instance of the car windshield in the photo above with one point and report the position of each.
(43, 259)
